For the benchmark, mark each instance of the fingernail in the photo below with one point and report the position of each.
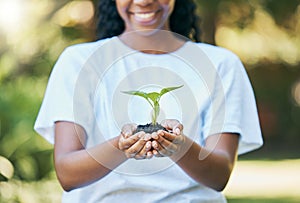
(149, 154)
(154, 136)
(177, 131)
(148, 137)
(140, 135)
(126, 134)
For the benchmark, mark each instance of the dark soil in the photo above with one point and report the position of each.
(149, 128)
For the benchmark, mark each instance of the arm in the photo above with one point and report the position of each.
(213, 167)
(76, 166)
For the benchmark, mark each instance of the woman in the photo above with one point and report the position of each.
(94, 162)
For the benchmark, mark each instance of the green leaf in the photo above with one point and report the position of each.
(154, 96)
(153, 99)
(168, 89)
(138, 93)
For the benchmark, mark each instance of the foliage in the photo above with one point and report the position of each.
(19, 102)
(16, 191)
(28, 53)
(153, 99)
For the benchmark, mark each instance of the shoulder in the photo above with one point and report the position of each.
(83, 50)
(217, 53)
(73, 58)
(224, 60)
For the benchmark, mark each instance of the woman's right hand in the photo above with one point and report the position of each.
(136, 145)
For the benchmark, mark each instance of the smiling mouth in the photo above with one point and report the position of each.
(144, 16)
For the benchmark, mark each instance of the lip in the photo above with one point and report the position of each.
(144, 17)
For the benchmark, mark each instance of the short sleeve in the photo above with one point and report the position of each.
(238, 108)
(60, 95)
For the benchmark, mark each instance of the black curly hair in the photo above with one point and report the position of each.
(183, 20)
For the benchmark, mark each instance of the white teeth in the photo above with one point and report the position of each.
(144, 15)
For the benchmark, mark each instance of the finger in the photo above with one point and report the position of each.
(125, 143)
(156, 153)
(145, 149)
(135, 148)
(139, 157)
(167, 135)
(154, 135)
(145, 152)
(172, 124)
(147, 136)
(176, 139)
(128, 129)
(149, 155)
(160, 149)
(177, 129)
(166, 144)
(179, 139)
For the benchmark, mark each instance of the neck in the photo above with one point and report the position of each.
(160, 42)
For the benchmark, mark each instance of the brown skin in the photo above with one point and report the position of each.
(72, 160)
(76, 166)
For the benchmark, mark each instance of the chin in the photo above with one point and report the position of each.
(148, 32)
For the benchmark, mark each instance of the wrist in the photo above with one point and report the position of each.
(115, 142)
(183, 148)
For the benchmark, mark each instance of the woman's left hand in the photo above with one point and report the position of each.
(136, 145)
(167, 143)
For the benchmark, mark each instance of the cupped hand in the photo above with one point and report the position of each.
(135, 145)
(167, 143)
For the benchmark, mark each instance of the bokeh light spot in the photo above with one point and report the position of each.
(74, 13)
(296, 93)
(11, 12)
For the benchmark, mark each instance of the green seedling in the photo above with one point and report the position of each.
(153, 99)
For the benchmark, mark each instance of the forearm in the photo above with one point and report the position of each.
(82, 167)
(212, 169)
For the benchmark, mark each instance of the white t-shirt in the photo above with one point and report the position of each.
(86, 87)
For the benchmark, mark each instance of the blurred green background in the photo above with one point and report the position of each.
(265, 34)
